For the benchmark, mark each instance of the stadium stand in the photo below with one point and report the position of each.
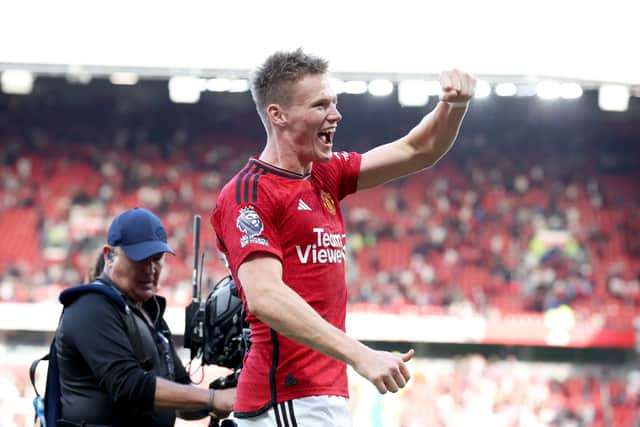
(521, 217)
(534, 209)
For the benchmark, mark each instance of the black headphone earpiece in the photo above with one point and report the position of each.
(110, 256)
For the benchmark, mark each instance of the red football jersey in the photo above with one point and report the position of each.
(297, 219)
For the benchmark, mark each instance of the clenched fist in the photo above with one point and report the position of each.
(387, 371)
(457, 86)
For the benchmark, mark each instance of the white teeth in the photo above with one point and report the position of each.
(326, 137)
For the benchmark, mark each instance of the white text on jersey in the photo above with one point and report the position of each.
(328, 249)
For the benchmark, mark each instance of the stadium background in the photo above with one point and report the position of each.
(512, 267)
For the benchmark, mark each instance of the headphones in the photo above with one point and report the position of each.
(110, 256)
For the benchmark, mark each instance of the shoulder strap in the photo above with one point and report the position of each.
(47, 407)
(32, 371)
(133, 331)
(52, 404)
(115, 296)
(48, 356)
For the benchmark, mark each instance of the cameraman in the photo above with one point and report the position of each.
(103, 381)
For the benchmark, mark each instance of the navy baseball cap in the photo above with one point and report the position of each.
(139, 233)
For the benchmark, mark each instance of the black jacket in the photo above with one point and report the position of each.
(102, 380)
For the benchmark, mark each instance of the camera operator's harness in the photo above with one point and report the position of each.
(48, 407)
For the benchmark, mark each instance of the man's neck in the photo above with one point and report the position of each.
(286, 158)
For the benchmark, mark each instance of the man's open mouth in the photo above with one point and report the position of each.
(327, 136)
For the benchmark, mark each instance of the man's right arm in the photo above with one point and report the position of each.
(187, 397)
(277, 305)
(93, 326)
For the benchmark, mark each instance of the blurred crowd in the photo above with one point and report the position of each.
(510, 224)
(534, 207)
(473, 390)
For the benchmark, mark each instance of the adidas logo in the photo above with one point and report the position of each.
(302, 206)
(291, 380)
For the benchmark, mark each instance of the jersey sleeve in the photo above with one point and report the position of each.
(246, 228)
(344, 169)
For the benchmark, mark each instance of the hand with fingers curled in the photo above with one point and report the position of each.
(221, 400)
(458, 87)
(387, 371)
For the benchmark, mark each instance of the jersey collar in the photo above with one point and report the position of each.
(276, 170)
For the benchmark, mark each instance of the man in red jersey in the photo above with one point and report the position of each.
(279, 224)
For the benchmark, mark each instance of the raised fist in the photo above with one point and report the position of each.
(457, 86)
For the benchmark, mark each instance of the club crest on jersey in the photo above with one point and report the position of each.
(250, 223)
(328, 202)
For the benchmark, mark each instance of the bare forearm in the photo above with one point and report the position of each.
(285, 311)
(421, 148)
(278, 306)
(435, 134)
(184, 398)
(170, 395)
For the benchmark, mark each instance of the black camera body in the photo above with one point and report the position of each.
(216, 330)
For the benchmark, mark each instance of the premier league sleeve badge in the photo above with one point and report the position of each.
(251, 225)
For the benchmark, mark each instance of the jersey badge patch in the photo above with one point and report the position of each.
(250, 223)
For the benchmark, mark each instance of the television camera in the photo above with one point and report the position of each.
(215, 330)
